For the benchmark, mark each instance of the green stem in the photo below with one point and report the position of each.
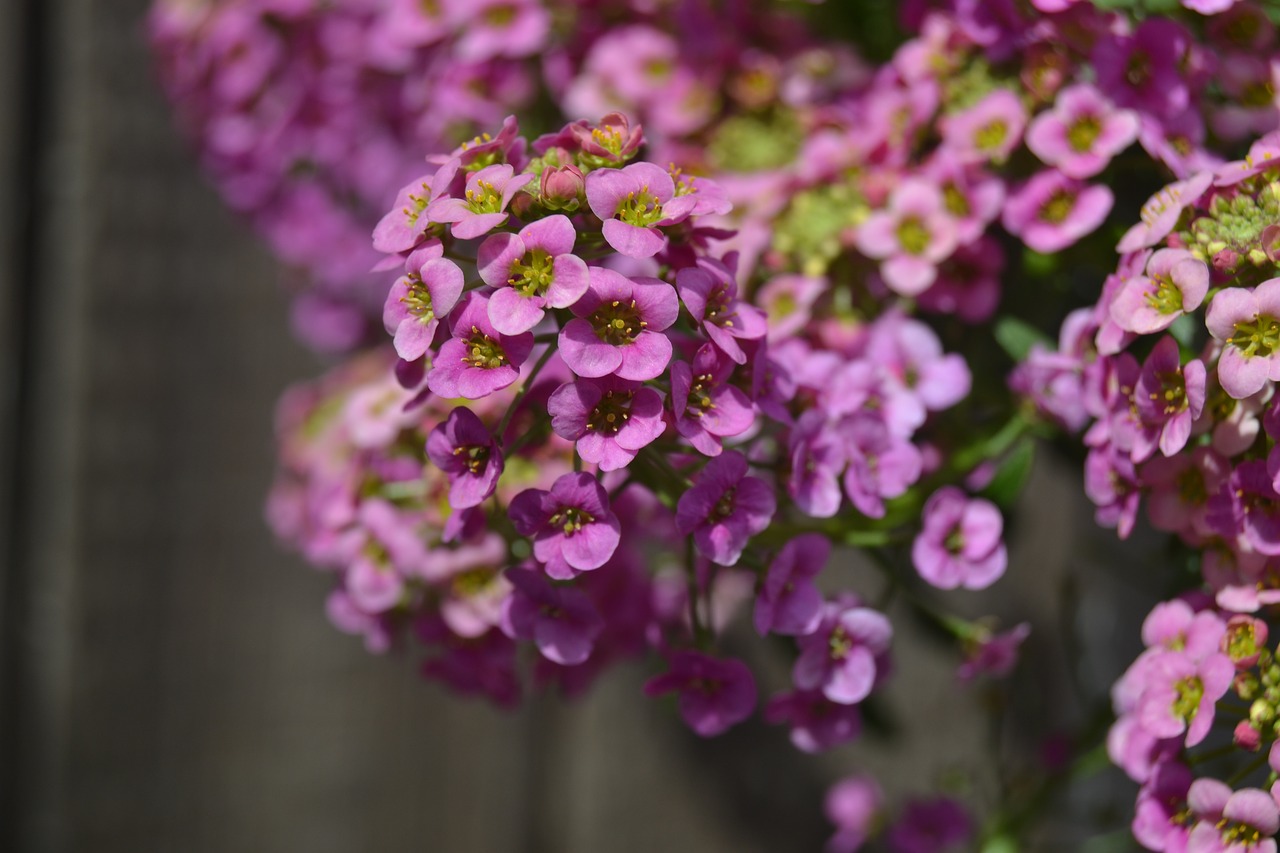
(524, 389)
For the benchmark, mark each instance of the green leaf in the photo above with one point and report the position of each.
(1011, 476)
(1183, 330)
(1017, 337)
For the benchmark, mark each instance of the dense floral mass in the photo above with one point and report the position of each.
(687, 308)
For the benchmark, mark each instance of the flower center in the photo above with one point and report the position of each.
(1190, 692)
(1083, 132)
(1166, 298)
(956, 202)
(571, 519)
(724, 507)
(475, 456)
(991, 135)
(608, 138)
(1239, 833)
(718, 310)
(611, 413)
(483, 351)
(472, 582)
(913, 236)
(1191, 487)
(1258, 94)
(483, 198)
(700, 395)
(418, 202)
(533, 274)
(1138, 69)
(618, 323)
(1259, 338)
(1174, 391)
(417, 299)
(641, 209)
(1058, 207)
(954, 543)
(500, 16)
(840, 644)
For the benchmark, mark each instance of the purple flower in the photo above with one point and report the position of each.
(428, 291)
(960, 542)
(611, 419)
(1112, 484)
(994, 655)
(618, 327)
(1160, 815)
(1052, 211)
(531, 271)
(463, 448)
(817, 723)
(715, 694)
(1248, 323)
(484, 206)
(853, 805)
(1143, 70)
(705, 405)
(911, 354)
(560, 619)
(572, 528)
(1180, 488)
(788, 602)
(478, 359)
(881, 465)
(1082, 132)
(1169, 397)
(724, 508)
(911, 236)
(817, 458)
(788, 302)
(930, 826)
(989, 130)
(1248, 507)
(634, 202)
(405, 226)
(846, 656)
(1175, 283)
(1181, 693)
(1243, 821)
(492, 28)
(710, 293)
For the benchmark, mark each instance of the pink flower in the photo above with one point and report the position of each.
(724, 508)
(484, 205)
(1161, 212)
(1052, 211)
(572, 527)
(911, 236)
(988, 130)
(710, 292)
(1082, 132)
(634, 202)
(1248, 323)
(960, 543)
(715, 694)
(788, 601)
(531, 270)
(1169, 396)
(478, 359)
(428, 291)
(1175, 283)
(1243, 821)
(618, 327)
(611, 419)
(846, 656)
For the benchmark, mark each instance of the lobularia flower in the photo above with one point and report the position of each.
(724, 508)
(881, 464)
(715, 693)
(846, 656)
(463, 448)
(634, 202)
(960, 543)
(406, 225)
(817, 723)
(818, 457)
(911, 236)
(1161, 212)
(491, 28)
(788, 602)
(1160, 815)
(993, 655)
(1143, 69)
(618, 327)
(572, 527)
(531, 270)
(478, 359)
(1248, 323)
(1228, 821)
(705, 406)
(710, 292)
(427, 292)
(1082, 132)
(931, 826)
(611, 419)
(1175, 283)
(1181, 693)
(1170, 396)
(560, 620)
(1052, 211)
(1248, 507)
(483, 206)
(853, 805)
(988, 130)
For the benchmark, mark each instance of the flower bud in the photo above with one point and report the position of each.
(1247, 737)
(1261, 713)
(562, 187)
(1244, 640)
(1246, 686)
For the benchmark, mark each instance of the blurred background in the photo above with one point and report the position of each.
(168, 680)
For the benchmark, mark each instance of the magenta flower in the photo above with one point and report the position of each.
(1181, 693)
(1052, 211)
(531, 271)
(846, 656)
(715, 694)
(817, 723)
(788, 602)
(478, 359)
(428, 291)
(1175, 283)
(960, 543)
(993, 655)
(405, 226)
(1159, 820)
(817, 459)
(931, 826)
(1180, 487)
(492, 28)
(463, 448)
(1082, 132)
(705, 406)
(612, 142)
(611, 419)
(1111, 482)
(1144, 70)
(1161, 212)
(1228, 821)
(911, 236)
(618, 327)
(560, 620)
(881, 464)
(1248, 506)
(484, 206)
(989, 130)
(1169, 396)
(710, 293)
(1174, 626)
(634, 202)
(1248, 324)
(724, 508)
(572, 527)
(853, 805)
(788, 302)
